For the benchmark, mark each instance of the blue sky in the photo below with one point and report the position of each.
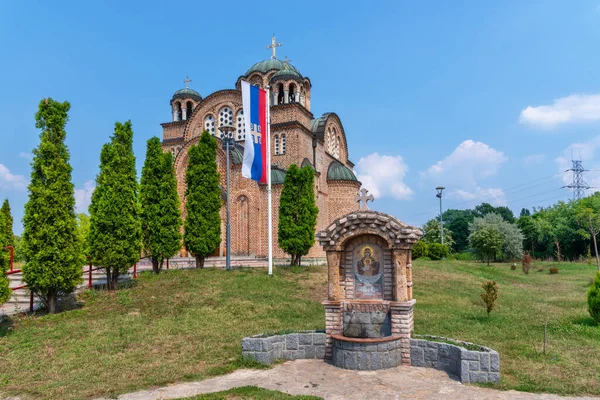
(480, 97)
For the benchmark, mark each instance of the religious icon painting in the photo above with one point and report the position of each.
(367, 261)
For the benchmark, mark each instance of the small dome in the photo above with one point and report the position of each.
(285, 74)
(306, 162)
(339, 172)
(269, 65)
(237, 154)
(187, 93)
(277, 175)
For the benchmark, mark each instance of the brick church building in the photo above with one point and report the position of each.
(297, 137)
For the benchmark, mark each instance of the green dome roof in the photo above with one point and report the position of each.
(187, 93)
(237, 154)
(339, 172)
(277, 175)
(269, 65)
(286, 73)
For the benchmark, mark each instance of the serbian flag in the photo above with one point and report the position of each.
(256, 117)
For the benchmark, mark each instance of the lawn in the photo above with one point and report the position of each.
(188, 325)
(250, 393)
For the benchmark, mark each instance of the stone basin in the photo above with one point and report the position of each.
(366, 354)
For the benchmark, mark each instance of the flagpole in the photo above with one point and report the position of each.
(269, 202)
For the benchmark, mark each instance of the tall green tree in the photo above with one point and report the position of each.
(115, 232)
(486, 237)
(4, 288)
(457, 221)
(51, 246)
(8, 223)
(297, 213)
(160, 213)
(83, 231)
(432, 233)
(588, 216)
(202, 226)
(485, 208)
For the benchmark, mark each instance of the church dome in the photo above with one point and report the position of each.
(277, 175)
(187, 93)
(270, 65)
(286, 73)
(339, 172)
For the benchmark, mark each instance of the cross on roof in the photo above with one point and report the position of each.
(186, 81)
(273, 46)
(285, 62)
(363, 198)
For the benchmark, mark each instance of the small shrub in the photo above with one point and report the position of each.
(526, 261)
(420, 249)
(489, 295)
(437, 251)
(513, 267)
(593, 299)
(553, 270)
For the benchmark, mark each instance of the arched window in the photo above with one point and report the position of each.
(188, 109)
(240, 125)
(337, 147)
(209, 124)
(282, 143)
(225, 118)
(329, 141)
(276, 139)
(281, 95)
(179, 111)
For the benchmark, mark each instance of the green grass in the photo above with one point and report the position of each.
(178, 326)
(188, 325)
(448, 305)
(250, 393)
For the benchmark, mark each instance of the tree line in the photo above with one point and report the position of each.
(128, 219)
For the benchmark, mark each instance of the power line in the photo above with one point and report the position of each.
(578, 184)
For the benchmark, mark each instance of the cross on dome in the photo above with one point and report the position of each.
(186, 81)
(273, 46)
(285, 62)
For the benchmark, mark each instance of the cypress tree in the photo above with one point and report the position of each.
(160, 213)
(8, 224)
(114, 240)
(50, 243)
(297, 213)
(4, 261)
(202, 227)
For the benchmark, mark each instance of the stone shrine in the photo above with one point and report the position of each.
(369, 310)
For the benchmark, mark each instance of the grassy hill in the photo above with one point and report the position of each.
(187, 325)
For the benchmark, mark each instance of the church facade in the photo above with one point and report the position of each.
(297, 137)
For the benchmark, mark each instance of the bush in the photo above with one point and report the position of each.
(553, 270)
(526, 261)
(513, 267)
(593, 299)
(437, 251)
(420, 249)
(489, 295)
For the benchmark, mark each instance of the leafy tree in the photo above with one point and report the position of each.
(527, 226)
(512, 238)
(593, 299)
(297, 213)
(457, 222)
(485, 208)
(83, 231)
(19, 256)
(4, 261)
(486, 239)
(160, 214)
(202, 226)
(51, 245)
(524, 212)
(588, 217)
(431, 233)
(8, 224)
(115, 235)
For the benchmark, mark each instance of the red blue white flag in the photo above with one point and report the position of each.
(256, 116)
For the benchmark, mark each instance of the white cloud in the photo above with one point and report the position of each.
(83, 197)
(533, 159)
(383, 176)
(574, 108)
(462, 171)
(27, 156)
(9, 181)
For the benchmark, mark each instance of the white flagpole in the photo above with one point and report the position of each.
(269, 203)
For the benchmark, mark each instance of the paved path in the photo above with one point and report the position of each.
(317, 378)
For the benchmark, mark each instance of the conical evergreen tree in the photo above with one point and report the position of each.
(114, 239)
(160, 213)
(8, 223)
(202, 225)
(50, 242)
(297, 213)
(4, 260)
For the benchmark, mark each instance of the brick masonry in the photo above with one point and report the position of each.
(470, 366)
(292, 346)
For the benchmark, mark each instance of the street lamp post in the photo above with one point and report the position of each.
(439, 195)
(227, 144)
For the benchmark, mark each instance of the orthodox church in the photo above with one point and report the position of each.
(297, 137)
